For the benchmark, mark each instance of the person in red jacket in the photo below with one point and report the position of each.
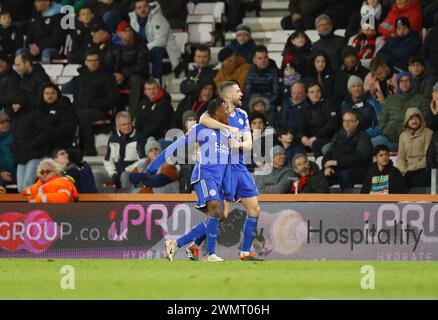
(51, 187)
(402, 8)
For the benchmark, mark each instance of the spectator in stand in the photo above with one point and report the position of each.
(395, 107)
(61, 115)
(258, 124)
(349, 154)
(111, 12)
(351, 66)
(148, 21)
(187, 163)
(122, 151)
(9, 80)
(76, 4)
(411, 9)
(371, 14)
(288, 139)
(175, 12)
(30, 140)
(412, 148)
(73, 167)
(262, 78)
(308, 177)
(401, 46)
(430, 49)
(155, 112)
(366, 107)
(197, 103)
(234, 67)
(299, 46)
(11, 38)
(51, 187)
(289, 75)
(424, 78)
(261, 104)
(96, 94)
(367, 43)
(329, 43)
(235, 10)
(81, 36)
(32, 78)
(164, 181)
(432, 112)
(102, 44)
(244, 45)
(8, 170)
(45, 36)
(318, 121)
(278, 180)
(383, 177)
(381, 81)
(321, 70)
(292, 107)
(133, 64)
(201, 72)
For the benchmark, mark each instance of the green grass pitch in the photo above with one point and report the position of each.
(159, 279)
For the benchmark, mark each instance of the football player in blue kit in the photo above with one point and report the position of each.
(207, 178)
(243, 187)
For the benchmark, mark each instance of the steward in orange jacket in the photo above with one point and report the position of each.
(56, 189)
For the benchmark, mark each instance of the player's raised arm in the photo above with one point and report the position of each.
(209, 122)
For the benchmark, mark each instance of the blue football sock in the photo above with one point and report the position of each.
(198, 231)
(249, 232)
(212, 233)
(199, 240)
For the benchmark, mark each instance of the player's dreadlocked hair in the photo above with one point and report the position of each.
(214, 105)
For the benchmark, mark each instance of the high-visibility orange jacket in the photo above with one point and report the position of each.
(55, 190)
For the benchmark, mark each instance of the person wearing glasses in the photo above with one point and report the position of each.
(51, 186)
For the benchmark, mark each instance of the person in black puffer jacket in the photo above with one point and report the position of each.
(349, 154)
(62, 117)
(30, 140)
(320, 69)
(299, 46)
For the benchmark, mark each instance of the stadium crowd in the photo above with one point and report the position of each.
(336, 108)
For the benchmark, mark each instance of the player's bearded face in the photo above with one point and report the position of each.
(237, 96)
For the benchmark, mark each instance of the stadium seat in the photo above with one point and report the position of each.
(263, 23)
(275, 47)
(313, 35)
(190, 7)
(60, 80)
(201, 28)
(340, 32)
(217, 9)
(53, 70)
(280, 36)
(71, 70)
(214, 53)
(277, 57)
(182, 38)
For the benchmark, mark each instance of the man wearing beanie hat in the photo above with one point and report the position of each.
(395, 107)
(9, 80)
(351, 65)
(404, 44)
(278, 180)
(367, 108)
(234, 67)
(243, 45)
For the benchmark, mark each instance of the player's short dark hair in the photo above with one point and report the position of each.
(227, 85)
(214, 105)
(380, 147)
